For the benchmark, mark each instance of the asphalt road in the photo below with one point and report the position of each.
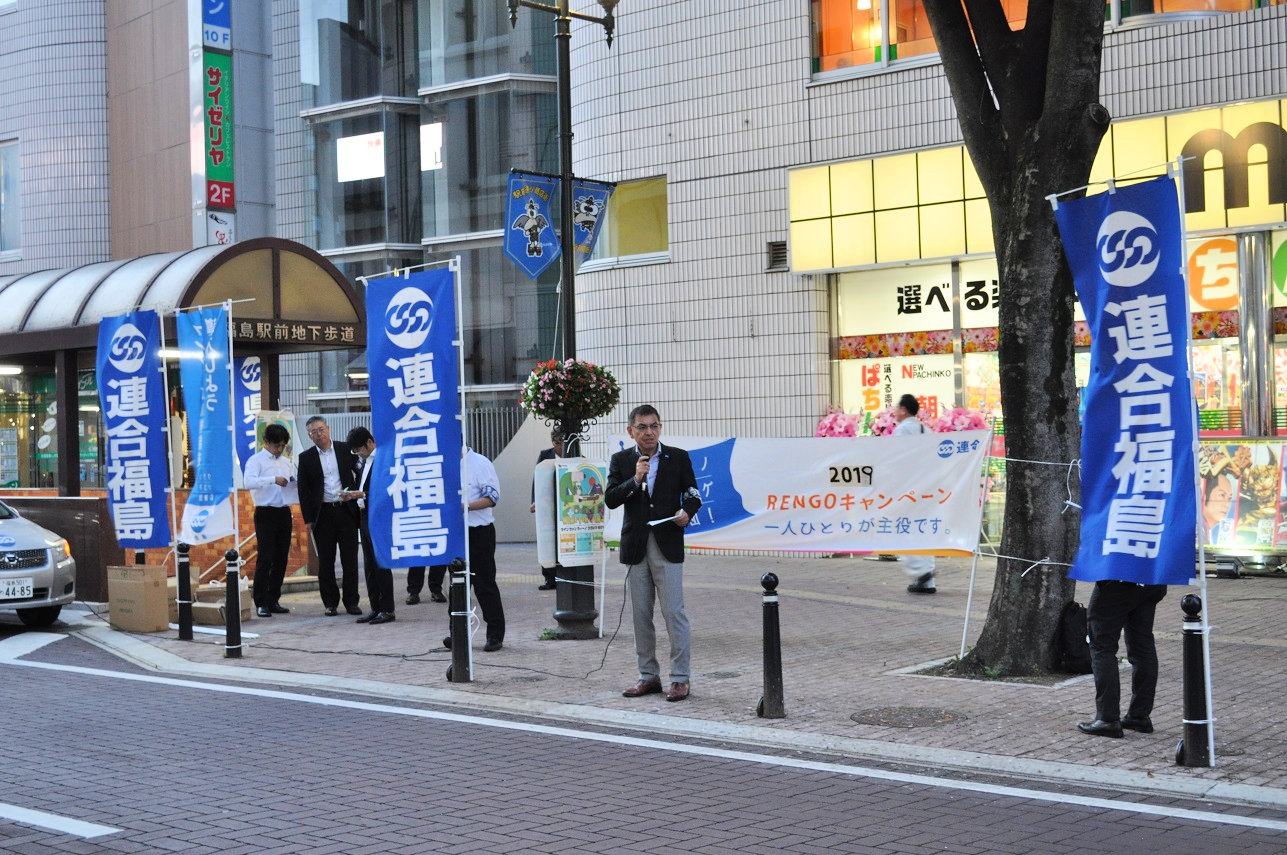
(101, 757)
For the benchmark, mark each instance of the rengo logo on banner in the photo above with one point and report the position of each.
(248, 397)
(415, 507)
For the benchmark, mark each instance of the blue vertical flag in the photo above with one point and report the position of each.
(247, 388)
(530, 239)
(589, 204)
(131, 394)
(1139, 510)
(203, 371)
(414, 500)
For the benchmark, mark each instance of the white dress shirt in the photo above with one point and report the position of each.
(331, 484)
(480, 481)
(262, 470)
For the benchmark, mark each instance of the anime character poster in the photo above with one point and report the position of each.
(579, 488)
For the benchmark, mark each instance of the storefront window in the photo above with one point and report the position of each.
(469, 143)
(463, 41)
(28, 430)
(366, 187)
(351, 49)
(10, 198)
(637, 222)
(1131, 8)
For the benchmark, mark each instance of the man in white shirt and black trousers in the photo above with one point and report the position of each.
(482, 492)
(267, 472)
(379, 580)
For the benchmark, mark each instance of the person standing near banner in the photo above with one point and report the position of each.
(553, 452)
(1115, 606)
(416, 581)
(269, 475)
(658, 490)
(482, 492)
(327, 479)
(919, 567)
(379, 580)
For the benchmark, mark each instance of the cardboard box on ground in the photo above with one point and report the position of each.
(136, 597)
(209, 602)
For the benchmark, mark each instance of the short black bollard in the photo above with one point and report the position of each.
(461, 670)
(232, 608)
(1195, 748)
(184, 580)
(770, 705)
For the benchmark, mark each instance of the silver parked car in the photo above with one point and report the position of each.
(37, 571)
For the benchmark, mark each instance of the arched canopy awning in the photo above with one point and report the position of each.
(286, 298)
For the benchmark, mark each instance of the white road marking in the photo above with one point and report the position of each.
(695, 750)
(26, 642)
(54, 822)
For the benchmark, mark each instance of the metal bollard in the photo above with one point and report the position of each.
(770, 705)
(458, 607)
(185, 591)
(1195, 748)
(232, 608)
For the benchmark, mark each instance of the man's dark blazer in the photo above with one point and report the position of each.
(312, 481)
(675, 488)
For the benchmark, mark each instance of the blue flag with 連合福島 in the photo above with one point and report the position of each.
(131, 394)
(247, 393)
(415, 512)
(1138, 499)
(530, 238)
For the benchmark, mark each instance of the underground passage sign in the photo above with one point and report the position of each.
(1139, 510)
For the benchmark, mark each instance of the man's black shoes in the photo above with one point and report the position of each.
(1143, 724)
(382, 617)
(492, 646)
(367, 618)
(548, 586)
(263, 611)
(437, 597)
(413, 599)
(278, 609)
(1099, 727)
(331, 611)
(353, 610)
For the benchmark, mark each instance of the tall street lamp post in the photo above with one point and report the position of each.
(574, 607)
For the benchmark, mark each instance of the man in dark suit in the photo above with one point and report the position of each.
(327, 482)
(554, 451)
(654, 483)
(379, 580)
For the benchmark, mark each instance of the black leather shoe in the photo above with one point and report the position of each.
(492, 646)
(1143, 724)
(382, 617)
(437, 597)
(368, 618)
(353, 610)
(332, 611)
(1099, 727)
(446, 642)
(278, 609)
(414, 599)
(548, 586)
(263, 611)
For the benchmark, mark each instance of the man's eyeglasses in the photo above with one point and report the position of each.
(648, 428)
(318, 430)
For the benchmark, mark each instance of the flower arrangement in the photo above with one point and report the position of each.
(839, 423)
(570, 389)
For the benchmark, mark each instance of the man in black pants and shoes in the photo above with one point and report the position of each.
(416, 581)
(379, 580)
(1115, 606)
(267, 473)
(482, 492)
(327, 479)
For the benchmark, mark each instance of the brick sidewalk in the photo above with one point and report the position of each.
(848, 629)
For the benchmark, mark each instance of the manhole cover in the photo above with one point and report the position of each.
(906, 717)
(723, 675)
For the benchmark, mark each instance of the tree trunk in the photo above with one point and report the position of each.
(1027, 104)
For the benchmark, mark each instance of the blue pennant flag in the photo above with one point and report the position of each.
(1139, 506)
(247, 392)
(530, 239)
(414, 506)
(131, 394)
(203, 371)
(589, 205)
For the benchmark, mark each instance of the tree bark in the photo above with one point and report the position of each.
(1027, 102)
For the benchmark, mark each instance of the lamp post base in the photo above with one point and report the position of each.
(575, 604)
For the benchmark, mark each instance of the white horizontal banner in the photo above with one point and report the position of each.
(831, 494)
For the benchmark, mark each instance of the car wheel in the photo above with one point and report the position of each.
(43, 616)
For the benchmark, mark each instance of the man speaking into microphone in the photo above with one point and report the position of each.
(657, 487)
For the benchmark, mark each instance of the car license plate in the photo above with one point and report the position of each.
(15, 589)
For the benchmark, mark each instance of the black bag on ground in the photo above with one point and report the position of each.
(1073, 648)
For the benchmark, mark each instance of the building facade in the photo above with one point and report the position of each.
(828, 242)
